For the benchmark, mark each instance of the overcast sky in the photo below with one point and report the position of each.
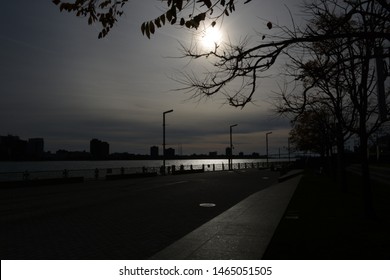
(61, 83)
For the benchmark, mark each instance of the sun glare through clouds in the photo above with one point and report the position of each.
(210, 37)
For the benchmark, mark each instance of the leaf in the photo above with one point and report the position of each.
(247, 1)
(143, 27)
(169, 15)
(157, 22)
(162, 18)
(188, 24)
(147, 30)
(269, 25)
(174, 15)
(222, 2)
(151, 27)
(179, 4)
(207, 3)
(182, 21)
(56, 2)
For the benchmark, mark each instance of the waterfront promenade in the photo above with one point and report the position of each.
(140, 218)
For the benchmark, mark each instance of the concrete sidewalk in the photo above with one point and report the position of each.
(242, 232)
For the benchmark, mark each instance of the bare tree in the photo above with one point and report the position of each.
(244, 63)
(340, 73)
(313, 132)
(240, 63)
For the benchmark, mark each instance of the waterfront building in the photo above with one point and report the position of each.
(99, 149)
(154, 152)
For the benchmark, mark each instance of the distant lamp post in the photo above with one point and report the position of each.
(231, 148)
(289, 149)
(266, 144)
(166, 112)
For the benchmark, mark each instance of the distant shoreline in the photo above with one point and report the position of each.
(122, 157)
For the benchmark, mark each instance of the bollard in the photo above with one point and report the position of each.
(223, 167)
(238, 166)
(213, 167)
(173, 169)
(26, 175)
(65, 173)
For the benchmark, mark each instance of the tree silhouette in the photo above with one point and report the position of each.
(340, 74)
(107, 12)
(244, 63)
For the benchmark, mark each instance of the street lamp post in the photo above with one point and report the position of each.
(166, 112)
(288, 149)
(266, 143)
(231, 148)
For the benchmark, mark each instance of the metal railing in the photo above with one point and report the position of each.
(102, 173)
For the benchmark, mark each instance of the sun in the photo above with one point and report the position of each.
(211, 36)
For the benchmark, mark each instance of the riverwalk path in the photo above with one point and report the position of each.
(161, 217)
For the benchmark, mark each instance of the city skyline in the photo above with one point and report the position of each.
(34, 148)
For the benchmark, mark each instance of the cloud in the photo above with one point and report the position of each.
(60, 83)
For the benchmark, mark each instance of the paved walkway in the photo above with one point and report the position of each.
(380, 174)
(242, 232)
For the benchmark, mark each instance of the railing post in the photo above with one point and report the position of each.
(26, 175)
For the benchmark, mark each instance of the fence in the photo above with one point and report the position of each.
(103, 173)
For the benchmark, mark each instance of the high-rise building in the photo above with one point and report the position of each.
(12, 148)
(99, 149)
(170, 152)
(154, 151)
(35, 147)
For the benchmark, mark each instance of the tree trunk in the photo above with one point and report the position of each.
(341, 172)
(367, 190)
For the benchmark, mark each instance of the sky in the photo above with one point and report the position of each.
(59, 82)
